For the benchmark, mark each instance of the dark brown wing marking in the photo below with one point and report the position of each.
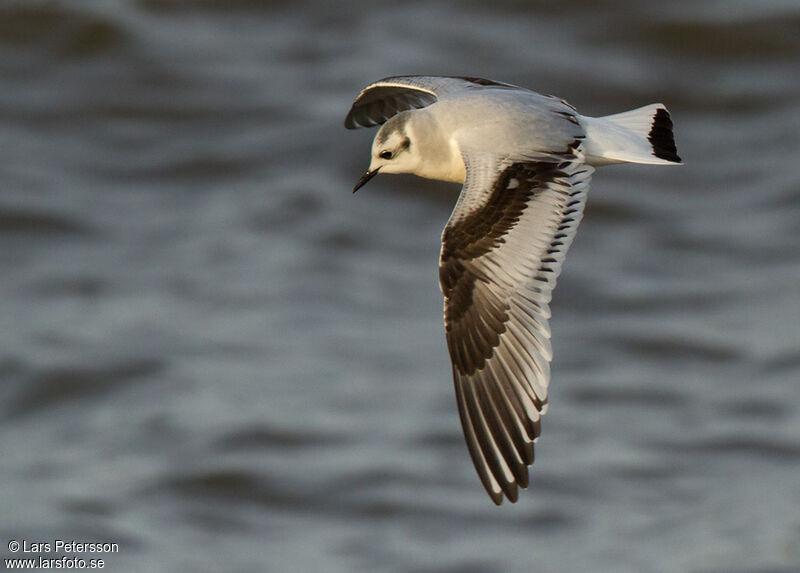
(473, 314)
(484, 82)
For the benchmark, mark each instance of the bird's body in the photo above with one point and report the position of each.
(526, 161)
(500, 120)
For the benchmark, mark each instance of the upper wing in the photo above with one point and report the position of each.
(381, 100)
(502, 251)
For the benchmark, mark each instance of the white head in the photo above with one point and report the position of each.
(393, 150)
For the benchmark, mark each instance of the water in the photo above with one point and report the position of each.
(217, 357)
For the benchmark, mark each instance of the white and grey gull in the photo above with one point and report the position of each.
(525, 161)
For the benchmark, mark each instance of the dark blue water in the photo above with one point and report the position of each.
(217, 357)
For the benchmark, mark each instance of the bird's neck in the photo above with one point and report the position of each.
(440, 157)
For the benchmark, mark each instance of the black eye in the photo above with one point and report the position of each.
(385, 155)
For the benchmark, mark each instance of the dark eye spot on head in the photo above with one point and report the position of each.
(385, 154)
(406, 143)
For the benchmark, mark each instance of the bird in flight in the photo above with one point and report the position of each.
(525, 161)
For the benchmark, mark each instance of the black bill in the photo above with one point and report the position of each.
(365, 178)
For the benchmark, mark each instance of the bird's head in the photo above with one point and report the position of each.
(393, 150)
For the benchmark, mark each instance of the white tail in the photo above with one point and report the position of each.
(642, 135)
